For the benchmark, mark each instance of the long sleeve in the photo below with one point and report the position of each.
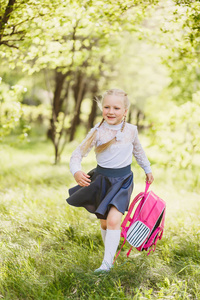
(140, 155)
(77, 155)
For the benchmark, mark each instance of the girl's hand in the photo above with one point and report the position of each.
(149, 178)
(82, 178)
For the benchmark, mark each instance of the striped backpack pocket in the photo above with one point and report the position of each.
(143, 226)
(137, 234)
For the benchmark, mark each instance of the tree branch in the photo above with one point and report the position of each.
(9, 45)
(6, 16)
(14, 32)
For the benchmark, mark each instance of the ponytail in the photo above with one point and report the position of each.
(90, 139)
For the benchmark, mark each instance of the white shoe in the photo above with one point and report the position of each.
(105, 267)
(99, 270)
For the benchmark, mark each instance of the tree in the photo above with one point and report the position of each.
(77, 40)
(181, 33)
(77, 44)
(15, 19)
(175, 130)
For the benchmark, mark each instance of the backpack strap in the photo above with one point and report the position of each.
(163, 220)
(127, 218)
(118, 253)
(156, 235)
(136, 199)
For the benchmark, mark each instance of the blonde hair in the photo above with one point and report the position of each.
(116, 92)
(90, 139)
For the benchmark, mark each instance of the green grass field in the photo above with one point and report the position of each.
(50, 250)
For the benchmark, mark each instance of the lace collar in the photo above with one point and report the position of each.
(114, 127)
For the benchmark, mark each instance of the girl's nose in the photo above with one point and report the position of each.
(111, 110)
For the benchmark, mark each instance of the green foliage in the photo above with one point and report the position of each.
(62, 34)
(181, 38)
(177, 133)
(11, 110)
(144, 76)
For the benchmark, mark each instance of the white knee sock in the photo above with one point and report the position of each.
(111, 243)
(103, 234)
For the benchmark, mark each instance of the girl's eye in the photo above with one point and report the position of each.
(117, 108)
(106, 107)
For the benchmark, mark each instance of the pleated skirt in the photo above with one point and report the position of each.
(108, 187)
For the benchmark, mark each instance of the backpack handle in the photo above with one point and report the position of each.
(146, 188)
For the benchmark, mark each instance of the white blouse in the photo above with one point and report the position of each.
(119, 154)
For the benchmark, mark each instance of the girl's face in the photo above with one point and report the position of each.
(113, 109)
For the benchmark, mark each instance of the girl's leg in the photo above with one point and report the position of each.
(112, 238)
(103, 229)
(114, 219)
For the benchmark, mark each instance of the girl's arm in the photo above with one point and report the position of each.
(76, 159)
(141, 158)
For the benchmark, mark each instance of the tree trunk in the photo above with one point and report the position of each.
(139, 117)
(93, 111)
(57, 100)
(81, 91)
(57, 103)
(130, 115)
(57, 107)
(92, 115)
(76, 90)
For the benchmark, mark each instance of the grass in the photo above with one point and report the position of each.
(49, 250)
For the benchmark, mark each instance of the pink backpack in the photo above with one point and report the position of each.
(146, 226)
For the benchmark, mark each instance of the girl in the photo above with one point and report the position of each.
(106, 190)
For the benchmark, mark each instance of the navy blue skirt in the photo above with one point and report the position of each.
(108, 187)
